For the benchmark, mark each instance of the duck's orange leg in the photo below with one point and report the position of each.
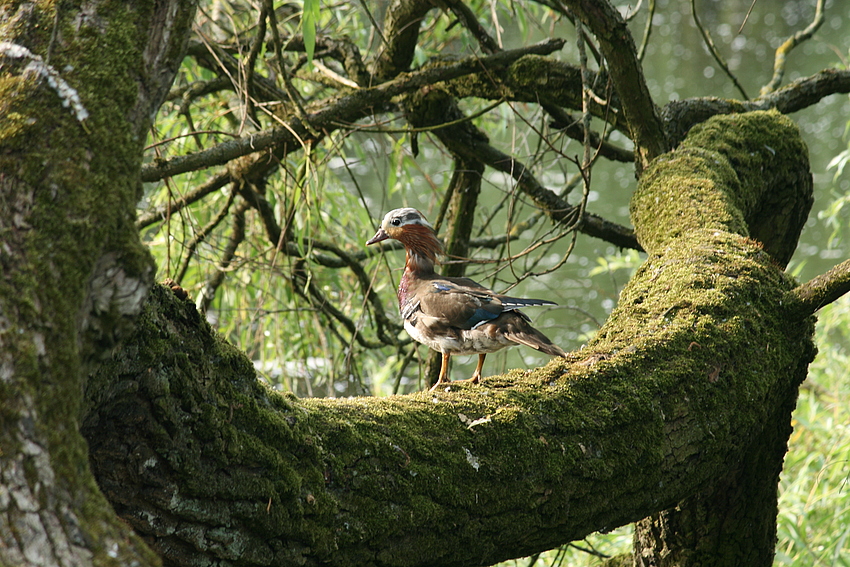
(444, 372)
(476, 376)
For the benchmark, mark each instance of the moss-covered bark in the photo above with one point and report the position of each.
(685, 393)
(748, 175)
(77, 93)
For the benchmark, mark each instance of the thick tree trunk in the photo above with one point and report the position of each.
(683, 397)
(77, 94)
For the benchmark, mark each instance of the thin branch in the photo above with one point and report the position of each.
(783, 50)
(618, 47)
(340, 49)
(237, 236)
(680, 115)
(190, 92)
(249, 68)
(349, 108)
(747, 16)
(714, 51)
(647, 31)
(469, 20)
(291, 92)
(589, 155)
(192, 133)
(201, 235)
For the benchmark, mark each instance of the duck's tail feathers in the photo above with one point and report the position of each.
(533, 338)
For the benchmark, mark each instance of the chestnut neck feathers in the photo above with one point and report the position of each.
(422, 248)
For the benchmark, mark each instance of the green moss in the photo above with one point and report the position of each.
(336, 473)
(73, 186)
(731, 165)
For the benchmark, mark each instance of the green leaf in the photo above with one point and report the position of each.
(309, 20)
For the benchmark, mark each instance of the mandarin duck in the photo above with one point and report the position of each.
(454, 315)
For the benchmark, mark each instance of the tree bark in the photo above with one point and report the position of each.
(683, 397)
(77, 95)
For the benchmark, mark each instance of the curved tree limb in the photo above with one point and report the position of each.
(679, 116)
(682, 395)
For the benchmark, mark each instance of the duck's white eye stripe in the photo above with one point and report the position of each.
(405, 216)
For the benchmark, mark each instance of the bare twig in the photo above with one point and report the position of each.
(783, 50)
(647, 31)
(747, 16)
(714, 51)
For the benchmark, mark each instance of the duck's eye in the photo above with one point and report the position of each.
(396, 222)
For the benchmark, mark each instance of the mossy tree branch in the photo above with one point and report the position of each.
(808, 298)
(695, 370)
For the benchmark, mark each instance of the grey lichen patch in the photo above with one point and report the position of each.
(68, 96)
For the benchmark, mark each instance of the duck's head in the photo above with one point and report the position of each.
(412, 229)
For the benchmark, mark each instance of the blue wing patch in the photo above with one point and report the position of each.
(480, 317)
